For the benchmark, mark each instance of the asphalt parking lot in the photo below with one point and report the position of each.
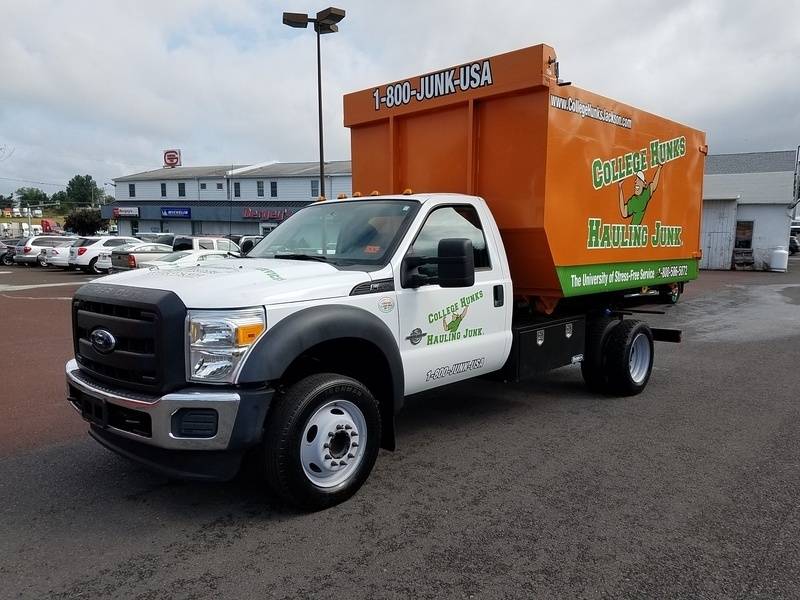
(539, 490)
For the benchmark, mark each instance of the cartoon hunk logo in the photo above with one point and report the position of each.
(634, 207)
(452, 316)
(643, 191)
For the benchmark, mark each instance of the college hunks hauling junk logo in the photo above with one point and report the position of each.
(637, 178)
(645, 168)
(451, 318)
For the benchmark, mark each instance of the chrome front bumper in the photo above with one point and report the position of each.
(161, 410)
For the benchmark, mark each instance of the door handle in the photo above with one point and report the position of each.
(499, 296)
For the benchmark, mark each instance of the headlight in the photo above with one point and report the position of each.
(218, 342)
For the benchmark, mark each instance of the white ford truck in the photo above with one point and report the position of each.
(302, 352)
(307, 354)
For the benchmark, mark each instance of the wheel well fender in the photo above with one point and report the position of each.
(350, 340)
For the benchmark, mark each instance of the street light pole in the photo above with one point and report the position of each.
(325, 22)
(319, 108)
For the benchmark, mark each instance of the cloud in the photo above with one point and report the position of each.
(103, 87)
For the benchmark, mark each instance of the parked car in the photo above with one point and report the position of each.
(188, 258)
(133, 256)
(794, 246)
(58, 255)
(188, 242)
(85, 256)
(28, 250)
(7, 251)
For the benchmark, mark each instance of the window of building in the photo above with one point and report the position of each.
(273, 189)
(237, 189)
(181, 189)
(260, 186)
(744, 234)
(452, 222)
(315, 188)
(132, 190)
(219, 186)
(163, 190)
(197, 227)
(202, 186)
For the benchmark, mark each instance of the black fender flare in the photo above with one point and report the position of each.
(306, 328)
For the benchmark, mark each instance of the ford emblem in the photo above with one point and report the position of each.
(102, 341)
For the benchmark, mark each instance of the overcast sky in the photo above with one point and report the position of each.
(103, 87)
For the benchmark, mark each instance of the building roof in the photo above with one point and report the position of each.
(274, 170)
(299, 169)
(179, 173)
(751, 162)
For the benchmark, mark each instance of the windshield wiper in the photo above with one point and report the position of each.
(302, 257)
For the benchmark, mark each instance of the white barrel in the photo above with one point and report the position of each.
(779, 259)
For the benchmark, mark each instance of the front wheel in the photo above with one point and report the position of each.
(8, 261)
(321, 440)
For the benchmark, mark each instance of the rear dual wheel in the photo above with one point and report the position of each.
(321, 440)
(619, 356)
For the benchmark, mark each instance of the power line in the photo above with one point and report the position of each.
(31, 181)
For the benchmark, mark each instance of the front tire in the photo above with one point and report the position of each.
(321, 440)
(8, 261)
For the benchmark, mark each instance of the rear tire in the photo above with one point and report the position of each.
(92, 268)
(321, 440)
(41, 261)
(592, 366)
(629, 358)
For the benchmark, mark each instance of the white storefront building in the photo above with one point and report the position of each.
(241, 199)
(747, 202)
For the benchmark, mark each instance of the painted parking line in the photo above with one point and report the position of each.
(35, 298)
(36, 286)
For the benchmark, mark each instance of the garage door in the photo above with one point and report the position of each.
(717, 233)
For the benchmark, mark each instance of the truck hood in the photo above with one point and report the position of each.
(245, 282)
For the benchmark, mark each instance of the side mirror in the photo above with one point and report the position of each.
(456, 263)
(453, 267)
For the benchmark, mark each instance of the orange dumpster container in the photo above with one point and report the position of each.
(591, 195)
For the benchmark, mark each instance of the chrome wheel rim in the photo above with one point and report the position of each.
(333, 443)
(639, 358)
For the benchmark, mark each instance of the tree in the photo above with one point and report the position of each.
(61, 201)
(30, 196)
(85, 221)
(83, 191)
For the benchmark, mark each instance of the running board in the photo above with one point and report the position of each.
(666, 335)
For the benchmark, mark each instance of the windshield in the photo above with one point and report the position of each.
(174, 256)
(343, 233)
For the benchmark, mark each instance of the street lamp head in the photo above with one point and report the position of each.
(298, 20)
(330, 16)
(326, 27)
